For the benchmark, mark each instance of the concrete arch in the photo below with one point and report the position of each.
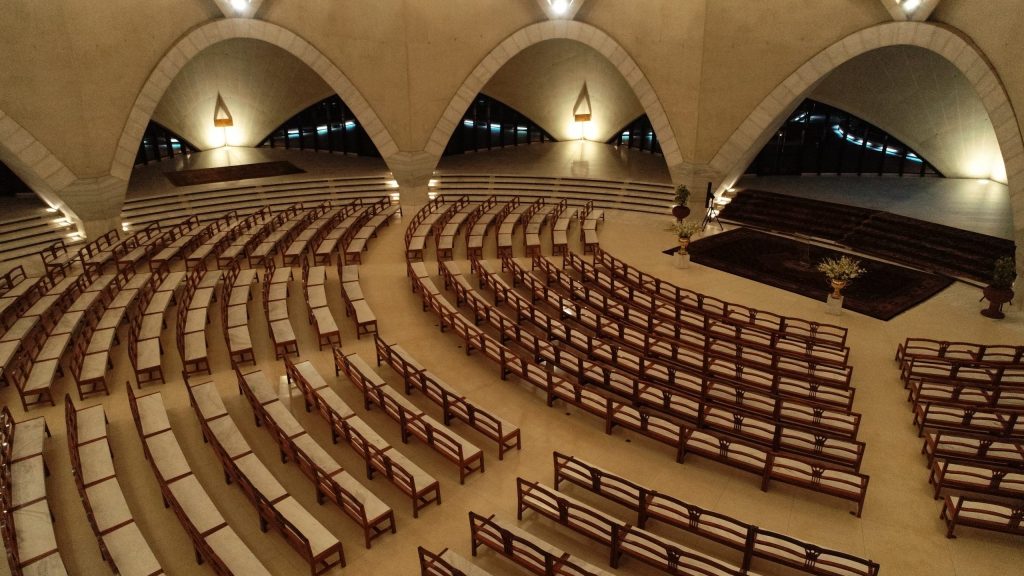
(748, 139)
(550, 30)
(211, 33)
(35, 164)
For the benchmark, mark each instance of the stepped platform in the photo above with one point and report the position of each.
(936, 248)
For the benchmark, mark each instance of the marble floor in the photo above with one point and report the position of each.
(900, 528)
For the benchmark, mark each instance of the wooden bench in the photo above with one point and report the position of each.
(568, 512)
(412, 421)
(121, 542)
(212, 537)
(977, 478)
(447, 563)
(380, 457)
(330, 480)
(750, 540)
(525, 549)
(276, 508)
(984, 514)
(366, 321)
(952, 445)
(26, 522)
(453, 405)
(799, 472)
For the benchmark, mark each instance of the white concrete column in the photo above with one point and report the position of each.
(412, 171)
(95, 203)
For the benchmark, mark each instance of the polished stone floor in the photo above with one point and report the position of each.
(900, 528)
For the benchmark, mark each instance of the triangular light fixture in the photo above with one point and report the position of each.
(221, 115)
(581, 111)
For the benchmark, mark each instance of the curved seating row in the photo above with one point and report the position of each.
(411, 420)
(26, 523)
(753, 542)
(213, 539)
(235, 294)
(314, 288)
(275, 507)
(380, 457)
(718, 309)
(380, 213)
(121, 542)
(275, 308)
(329, 479)
(453, 405)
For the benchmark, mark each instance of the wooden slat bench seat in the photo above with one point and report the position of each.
(569, 512)
(121, 542)
(984, 514)
(447, 563)
(366, 321)
(275, 507)
(411, 420)
(968, 419)
(799, 472)
(927, 348)
(977, 478)
(525, 549)
(330, 480)
(750, 540)
(453, 405)
(212, 537)
(380, 457)
(26, 523)
(949, 445)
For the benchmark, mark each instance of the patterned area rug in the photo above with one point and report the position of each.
(228, 173)
(883, 292)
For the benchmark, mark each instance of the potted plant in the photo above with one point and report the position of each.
(840, 272)
(684, 229)
(679, 209)
(1000, 290)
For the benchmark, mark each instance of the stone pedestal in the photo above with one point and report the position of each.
(833, 306)
(682, 260)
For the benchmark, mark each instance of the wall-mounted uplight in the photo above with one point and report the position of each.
(910, 5)
(240, 6)
(559, 6)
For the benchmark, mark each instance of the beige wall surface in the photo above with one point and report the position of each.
(261, 86)
(73, 70)
(923, 100)
(751, 47)
(545, 80)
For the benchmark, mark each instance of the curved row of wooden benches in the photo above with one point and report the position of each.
(968, 403)
(275, 507)
(213, 539)
(689, 406)
(615, 412)
(26, 522)
(698, 354)
(330, 480)
(121, 542)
